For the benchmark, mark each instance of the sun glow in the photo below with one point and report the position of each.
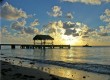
(70, 40)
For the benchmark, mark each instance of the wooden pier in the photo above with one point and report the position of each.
(30, 46)
(43, 44)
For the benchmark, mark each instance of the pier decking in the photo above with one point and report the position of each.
(31, 46)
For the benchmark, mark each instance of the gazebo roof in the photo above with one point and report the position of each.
(43, 37)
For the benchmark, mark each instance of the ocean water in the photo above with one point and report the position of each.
(75, 63)
(91, 55)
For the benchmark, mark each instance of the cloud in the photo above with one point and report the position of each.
(69, 15)
(68, 32)
(17, 38)
(85, 36)
(63, 31)
(107, 12)
(106, 16)
(108, 28)
(56, 12)
(31, 15)
(18, 25)
(75, 29)
(24, 36)
(66, 28)
(107, 0)
(4, 31)
(75, 34)
(34, 23)
(102, 34)
(11, 13)
(30, 30)
(68, 24)
(104, 30)
(53, 28)
(92, 2)
(59, 30)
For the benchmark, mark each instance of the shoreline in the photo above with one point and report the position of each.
(95, 68)
(23, 72)
(14, 72)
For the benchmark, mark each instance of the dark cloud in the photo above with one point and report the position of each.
(85, 36)
(71, 32)
(75, 34)
(18, 25)
(30, 30)
(51, 30)
(102, 34)
(68, 32)
(69, 15)
(67, 25)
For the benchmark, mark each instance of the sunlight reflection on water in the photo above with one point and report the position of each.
(99, 55)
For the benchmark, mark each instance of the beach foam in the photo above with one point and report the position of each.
(96, 68)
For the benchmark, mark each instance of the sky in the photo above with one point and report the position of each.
(74, 22)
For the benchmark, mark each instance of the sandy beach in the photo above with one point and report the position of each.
(13, 72)
(17, 72)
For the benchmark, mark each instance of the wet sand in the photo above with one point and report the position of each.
(13, 72)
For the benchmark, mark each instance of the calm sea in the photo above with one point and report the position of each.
(74, 63)
(91, 55)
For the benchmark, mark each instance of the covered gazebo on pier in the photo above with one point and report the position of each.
(43, 39)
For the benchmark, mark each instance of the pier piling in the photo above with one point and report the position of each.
(30, 46)
(12, 46)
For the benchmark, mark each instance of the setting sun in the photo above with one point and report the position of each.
(70, 39)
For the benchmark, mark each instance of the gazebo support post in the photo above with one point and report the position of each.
(34, 42)
(41, 44)
(52, 44)
(44, 42)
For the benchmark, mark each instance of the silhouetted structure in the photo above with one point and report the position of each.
(42, 45)
(86, 45)
(43, 38)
